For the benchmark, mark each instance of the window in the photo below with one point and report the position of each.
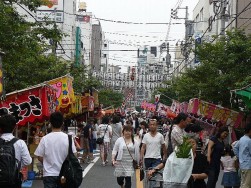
(201, 15)
(105, 45)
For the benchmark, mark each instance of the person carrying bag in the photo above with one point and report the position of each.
(100, 140)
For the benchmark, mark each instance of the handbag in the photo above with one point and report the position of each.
(134, 162)
(100, 140)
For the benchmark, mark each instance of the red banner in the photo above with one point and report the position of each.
(31, 105)
(214, 112)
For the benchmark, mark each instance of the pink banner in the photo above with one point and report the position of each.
(148, 106)
(213, 112)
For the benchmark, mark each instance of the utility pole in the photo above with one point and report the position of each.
(168, 56)
(220, 8)
(186, 36)
(54, 42)
(223, 16)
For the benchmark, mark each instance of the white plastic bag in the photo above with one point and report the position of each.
(177, 171)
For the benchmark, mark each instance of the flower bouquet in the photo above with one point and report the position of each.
(179, 166)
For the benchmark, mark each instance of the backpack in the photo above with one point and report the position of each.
(9, 165)
(71, 171)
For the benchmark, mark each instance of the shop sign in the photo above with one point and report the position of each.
(29, 105)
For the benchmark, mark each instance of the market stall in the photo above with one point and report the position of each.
(30, 105)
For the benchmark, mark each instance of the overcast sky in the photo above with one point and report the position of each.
(139, 11)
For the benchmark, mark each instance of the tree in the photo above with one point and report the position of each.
(225, 65)
(166, 94)
(25, 43)
(108, 97)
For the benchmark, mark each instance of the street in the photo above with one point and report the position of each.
(98, 176)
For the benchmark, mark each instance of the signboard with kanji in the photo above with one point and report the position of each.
(34, 104)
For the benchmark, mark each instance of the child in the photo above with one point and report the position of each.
(229, 164)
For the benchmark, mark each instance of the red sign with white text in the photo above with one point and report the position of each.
(30, 105)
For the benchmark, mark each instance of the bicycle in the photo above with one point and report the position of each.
(155, 181)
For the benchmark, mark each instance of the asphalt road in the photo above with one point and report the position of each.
(97, 176)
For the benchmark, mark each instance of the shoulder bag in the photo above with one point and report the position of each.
(100, 140)
(134, 162)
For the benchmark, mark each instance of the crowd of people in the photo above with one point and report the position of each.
(136, 139)
(149, 141)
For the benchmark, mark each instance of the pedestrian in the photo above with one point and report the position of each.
(125, 150)
(177, 130)
(142, 131)
(86, 141)
(53, 150)
(242, 149)
(214, 153)
(22, 155)
(194, 129)
(116, 129)
(152, 144)
(94, 133)
(200, 168)
(135, 122)
(104, 130)
(229, 164)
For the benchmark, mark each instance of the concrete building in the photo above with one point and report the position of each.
(105, 54)
(96, 47)
(63, 13)
(84, 21)
(244, 21)
(140, 81)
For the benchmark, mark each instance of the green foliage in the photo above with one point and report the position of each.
(26, 62)
(91, 82)
(225, 65)
(166, 94)
(108, 97)
(184, 149)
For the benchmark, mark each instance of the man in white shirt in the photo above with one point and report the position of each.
(53, 150)
(7, 125)
(152, 144)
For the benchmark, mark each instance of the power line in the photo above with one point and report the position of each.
(233, 20)
(237, 15)
(42, 26)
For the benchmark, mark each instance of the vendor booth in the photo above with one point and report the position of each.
(30, 105)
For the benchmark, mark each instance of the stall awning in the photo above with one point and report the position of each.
(30, 105)
(244, 94)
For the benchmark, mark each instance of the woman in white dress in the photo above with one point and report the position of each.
(125, 150)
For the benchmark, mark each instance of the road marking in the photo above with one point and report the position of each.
(88, 168)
